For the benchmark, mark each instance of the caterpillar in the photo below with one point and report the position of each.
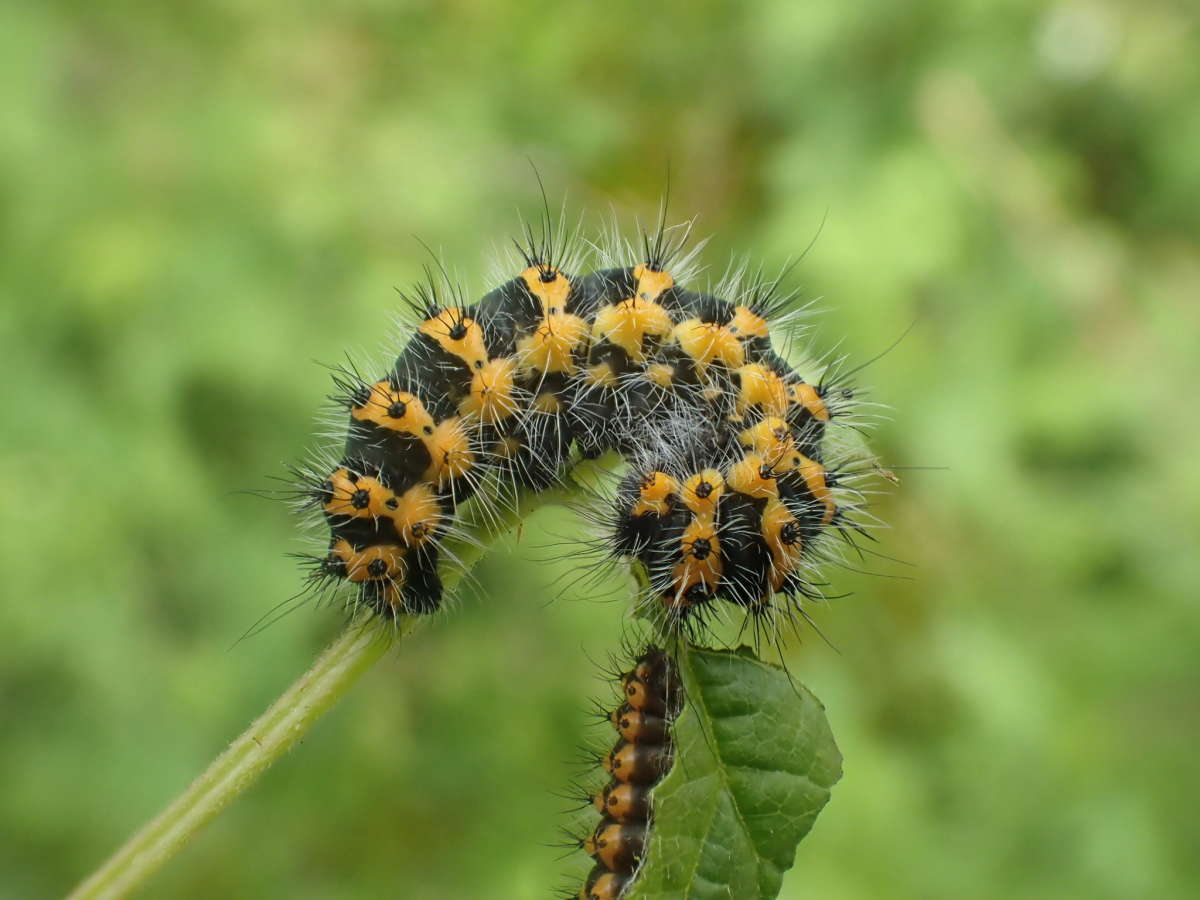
(732, 481)
(721, 765)
(650, 697)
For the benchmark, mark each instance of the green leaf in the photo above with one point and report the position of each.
(754, 762)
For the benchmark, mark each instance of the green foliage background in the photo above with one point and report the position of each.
(197, 201)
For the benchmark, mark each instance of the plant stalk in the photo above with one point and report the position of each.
(271, 735)
(364, 641)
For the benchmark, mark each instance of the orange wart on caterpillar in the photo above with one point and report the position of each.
(710, 465)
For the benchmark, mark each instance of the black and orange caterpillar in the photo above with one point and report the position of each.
(650, 699)
(729, 488)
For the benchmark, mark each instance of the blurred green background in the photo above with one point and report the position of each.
(200, 201)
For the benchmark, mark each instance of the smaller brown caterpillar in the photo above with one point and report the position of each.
(650, 698)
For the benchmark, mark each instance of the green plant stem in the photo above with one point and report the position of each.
(271, 735)
(288, 719)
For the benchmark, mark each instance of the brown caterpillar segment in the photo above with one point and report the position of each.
(637, 762)
(616, 846)
(636, 725)
(602, 884)
(623, 802)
